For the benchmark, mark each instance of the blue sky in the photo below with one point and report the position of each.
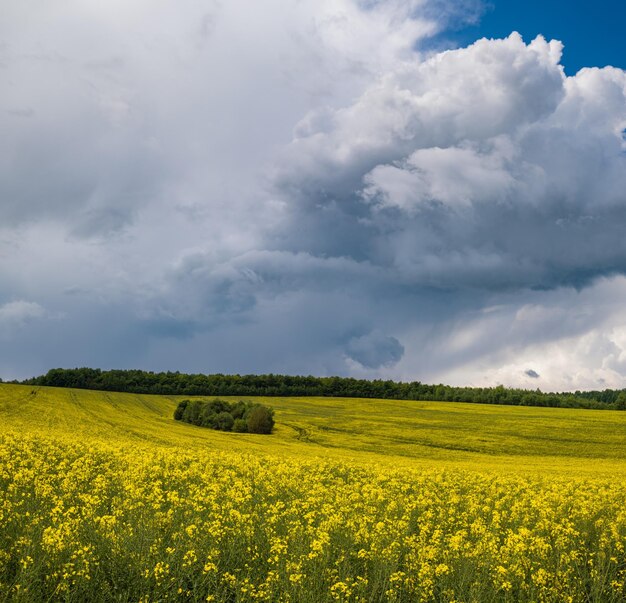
(592, 32)
(311, 188)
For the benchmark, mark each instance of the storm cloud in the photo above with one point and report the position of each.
(483, 167)
(308, 189)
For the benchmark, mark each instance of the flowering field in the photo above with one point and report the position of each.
(103, 497)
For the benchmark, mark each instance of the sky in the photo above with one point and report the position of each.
(425, 190)
(592, 33)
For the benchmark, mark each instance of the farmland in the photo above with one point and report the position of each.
(106, 498)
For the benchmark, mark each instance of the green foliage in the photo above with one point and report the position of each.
(240, 426)
(193, 413)
(239, 410)
(175, 383)
(180, 410)
(224, 421)
(240, 417)
(260, 419)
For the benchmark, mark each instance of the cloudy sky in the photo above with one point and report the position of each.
(404, 189)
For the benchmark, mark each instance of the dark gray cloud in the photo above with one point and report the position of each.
(532, 374)
(375, 350)
(15, 314)
(329, 198)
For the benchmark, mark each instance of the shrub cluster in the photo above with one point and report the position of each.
(242, 417)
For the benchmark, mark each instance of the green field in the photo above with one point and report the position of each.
(104, 497)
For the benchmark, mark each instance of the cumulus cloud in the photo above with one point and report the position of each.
(332, 198)
(479, 167)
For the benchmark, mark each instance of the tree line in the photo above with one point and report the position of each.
(176, 383)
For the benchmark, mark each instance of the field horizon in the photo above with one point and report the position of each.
(408, 432)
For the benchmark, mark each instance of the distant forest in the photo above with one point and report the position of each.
(175, 383)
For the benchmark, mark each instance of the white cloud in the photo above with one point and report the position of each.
(571, 339)
(476, 168)
(297, 187)
(457, 177)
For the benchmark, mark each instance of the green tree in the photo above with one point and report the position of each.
(224, 421)
(192, 413)
(240, 426)
(260, 420)
(180, 410)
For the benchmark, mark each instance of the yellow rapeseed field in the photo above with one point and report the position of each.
(103, 497)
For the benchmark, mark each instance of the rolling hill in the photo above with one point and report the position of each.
(363, 430)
